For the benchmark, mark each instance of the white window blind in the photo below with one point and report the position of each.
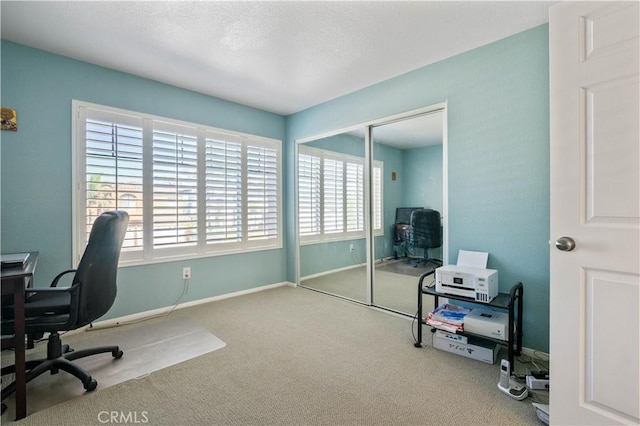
(113, 172)
(175, 186)
(355, 197)
(262, 193)
(190, 190)
(331, 195)
(333, 173)
(223, 190)
(309, 194)
(377, 196)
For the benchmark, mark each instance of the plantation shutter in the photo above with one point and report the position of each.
(262, 192)
(377, 197)
(223, 180)
(354, 196)
(113, 171)
(333, 196)
(308, 194)
(175, 185)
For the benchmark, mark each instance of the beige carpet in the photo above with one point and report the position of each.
(299, 357)
(147, 348)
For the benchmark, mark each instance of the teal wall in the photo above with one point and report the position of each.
(422, 168)
(392, 196)
(498, 146)
(424, 183)
(36, 172)
(329, 256)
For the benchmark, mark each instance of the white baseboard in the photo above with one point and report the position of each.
(344, 268)
(114, 322)
(532, 353)
(331, 271)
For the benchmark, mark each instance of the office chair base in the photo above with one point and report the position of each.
(60, 357)
(436, 262)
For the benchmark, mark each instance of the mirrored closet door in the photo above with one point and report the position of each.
(410, 242)
(331, 216)
(372, 209)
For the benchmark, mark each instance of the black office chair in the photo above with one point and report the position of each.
(426, 234)
(91, 294)
(401, 230)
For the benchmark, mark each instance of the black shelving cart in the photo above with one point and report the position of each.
(511, 302)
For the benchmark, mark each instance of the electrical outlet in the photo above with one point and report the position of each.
(186, 272)
(351, 249)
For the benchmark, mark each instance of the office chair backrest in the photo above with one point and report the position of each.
(403, 215)
(427, 228)
(98, 267)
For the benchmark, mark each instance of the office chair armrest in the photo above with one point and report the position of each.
(73, 288)
(74, 296)
(54, 283)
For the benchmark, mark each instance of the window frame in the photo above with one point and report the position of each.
(202, 248)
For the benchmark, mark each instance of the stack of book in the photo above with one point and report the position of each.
(448, 317)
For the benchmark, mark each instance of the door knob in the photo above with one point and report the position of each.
(565, 244)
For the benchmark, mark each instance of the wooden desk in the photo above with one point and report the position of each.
(14, 281)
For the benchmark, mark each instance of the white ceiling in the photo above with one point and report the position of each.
(281, 57)
(413, 132)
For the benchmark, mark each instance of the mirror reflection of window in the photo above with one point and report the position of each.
(331, 195)
(331, 216)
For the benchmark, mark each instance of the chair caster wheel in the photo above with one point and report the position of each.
(91, 385)
(4, 408)
(117, 354)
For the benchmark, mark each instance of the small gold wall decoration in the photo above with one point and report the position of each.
(9, 119)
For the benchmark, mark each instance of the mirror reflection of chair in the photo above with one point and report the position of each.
(401, 230)
(426, 234)
(91, 294)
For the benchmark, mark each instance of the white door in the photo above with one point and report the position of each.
(595, 201)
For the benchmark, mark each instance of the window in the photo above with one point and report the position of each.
(262, 193)
(377, 198)
(331, 195)
(308, 195)
(175, 186)
(333, 172)
(354, 189)
(190, 190)
(223, 181)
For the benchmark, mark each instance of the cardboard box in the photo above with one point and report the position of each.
(487, 323)
(477, 349)
(458, 338)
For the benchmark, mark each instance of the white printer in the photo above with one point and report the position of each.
(479, 284)
(487, 323)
